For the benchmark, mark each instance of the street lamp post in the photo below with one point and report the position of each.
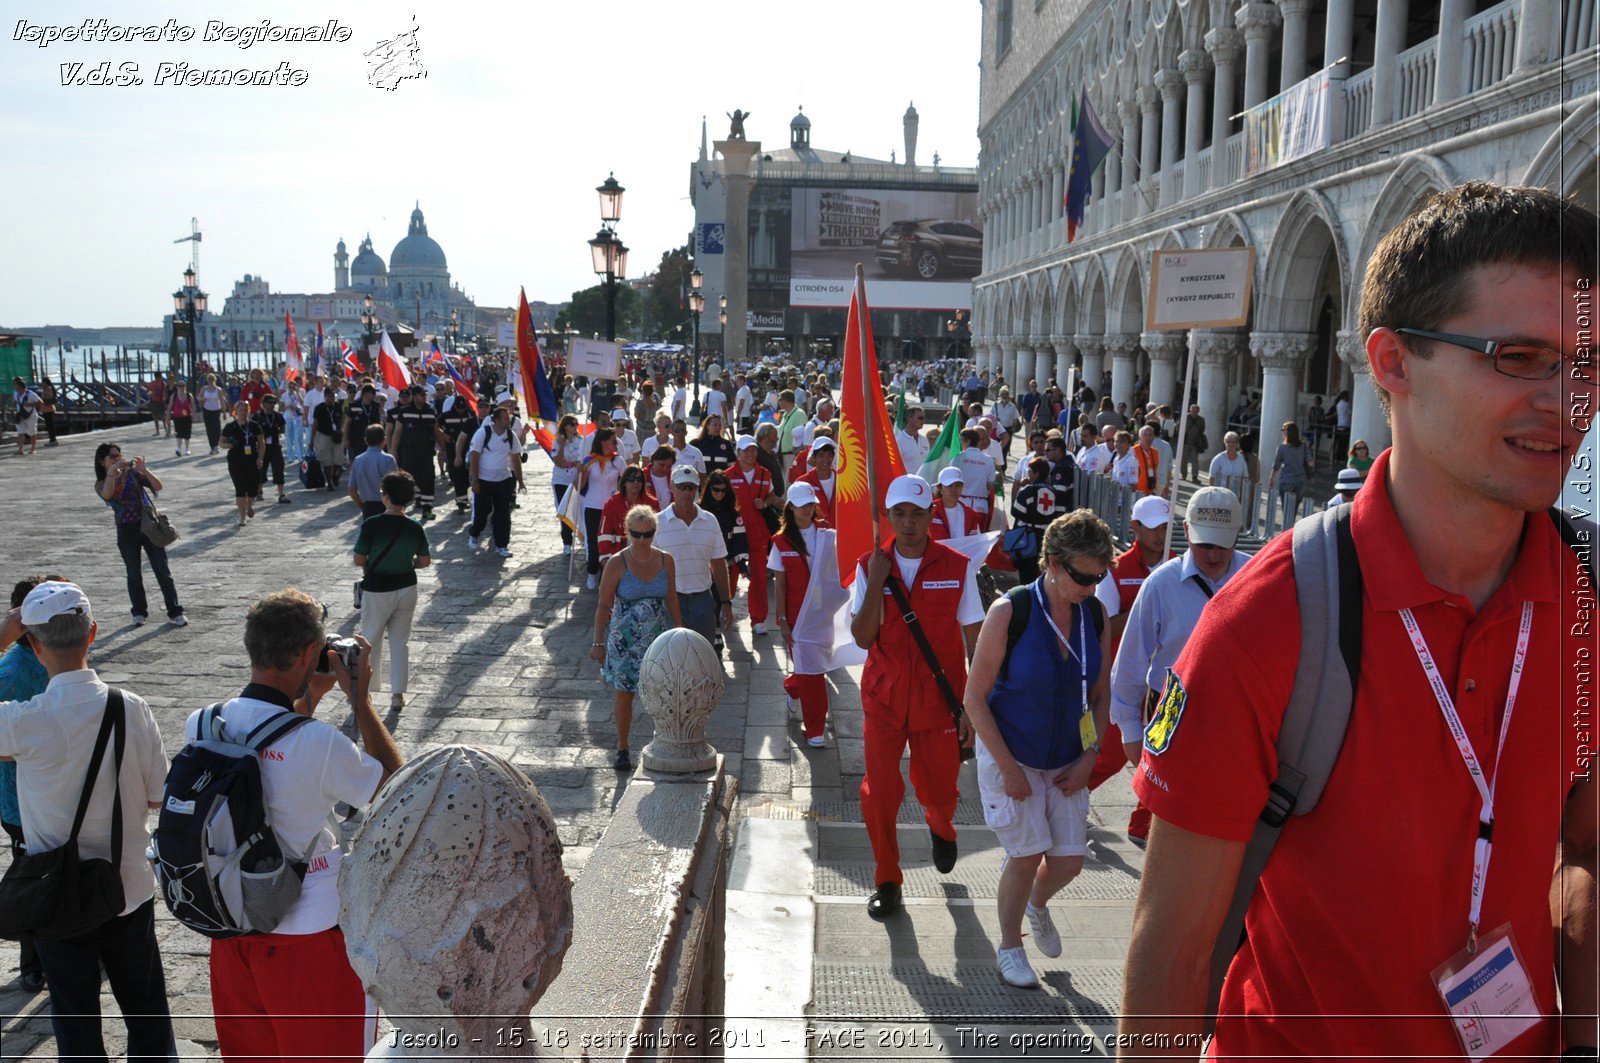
(697, 304)
(455, 330)
(369, 322)
(188, 307)
(610, 256)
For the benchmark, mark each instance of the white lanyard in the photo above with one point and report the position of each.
(1481, 850)
(1082, 656)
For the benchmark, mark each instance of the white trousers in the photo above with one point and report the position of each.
(391, 612)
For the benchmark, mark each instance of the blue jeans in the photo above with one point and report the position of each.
(130, 541)
(699, 612)
(294, 441)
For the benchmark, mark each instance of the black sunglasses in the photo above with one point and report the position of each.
(1083, 579)
(651, 534)
(1521, 361)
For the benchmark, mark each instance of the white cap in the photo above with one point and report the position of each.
(1152, 511)
(1213, 517)
(744, 441)
(619, 414)
(49, 600)
(504, 396)
(823, 443)
(950, 476)
(909, 488)
(685, 474)
(1349, 480)
(802, 494)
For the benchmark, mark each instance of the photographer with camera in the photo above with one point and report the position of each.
(292, 992)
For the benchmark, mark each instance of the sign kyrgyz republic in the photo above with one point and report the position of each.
(1200, 289)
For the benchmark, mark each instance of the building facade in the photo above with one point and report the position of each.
(1410, 98)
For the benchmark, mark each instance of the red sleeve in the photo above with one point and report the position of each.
(1224, 704)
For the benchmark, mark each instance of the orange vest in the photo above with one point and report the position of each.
(896, 686)
(1149, 467)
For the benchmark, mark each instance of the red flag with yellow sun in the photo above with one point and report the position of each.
(864, 427)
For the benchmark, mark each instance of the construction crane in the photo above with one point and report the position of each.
(194, 238)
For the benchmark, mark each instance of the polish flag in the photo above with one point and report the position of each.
(392, 369)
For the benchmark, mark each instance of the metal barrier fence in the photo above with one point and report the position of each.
(1267, 512)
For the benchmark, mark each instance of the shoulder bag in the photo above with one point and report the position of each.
(58, 894)
(919, 636)
(154, 525)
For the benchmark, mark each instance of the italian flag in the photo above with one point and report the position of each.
(945, 448)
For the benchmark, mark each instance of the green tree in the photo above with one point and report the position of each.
(587, 311)
(666, 298)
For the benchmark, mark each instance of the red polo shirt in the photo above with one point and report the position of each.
(1366, 895)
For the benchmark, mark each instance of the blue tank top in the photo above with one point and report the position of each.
(1038, 704)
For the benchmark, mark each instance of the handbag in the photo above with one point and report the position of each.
(370, 563)
(919, 636)
(58, 894)
(154, 525)
(1020, 541)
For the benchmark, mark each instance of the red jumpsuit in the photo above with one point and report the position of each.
(613, 536)
(810, 690)
(748, 491)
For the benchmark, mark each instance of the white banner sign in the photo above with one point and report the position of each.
(319, 311)
(506, 334)
(1200, 289)
(595, 358)
(882, 294)
(763, 320)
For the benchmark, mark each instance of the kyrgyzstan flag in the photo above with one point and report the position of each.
(535, 391)
(863, 439)
(392, 369)
(294, 364)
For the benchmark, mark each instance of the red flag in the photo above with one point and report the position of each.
(392, 370)
(863, 424)
(293, 363)
(538, 398)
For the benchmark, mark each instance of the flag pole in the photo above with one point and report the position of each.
(862, 339)
(1183, 431)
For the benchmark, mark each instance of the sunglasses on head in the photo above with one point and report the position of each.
(1082, 579)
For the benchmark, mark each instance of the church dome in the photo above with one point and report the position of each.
(800, 121)
(418, 250)
(367, 261)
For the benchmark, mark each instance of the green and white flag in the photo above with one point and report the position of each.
(945, 448)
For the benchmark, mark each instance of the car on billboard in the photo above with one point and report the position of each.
(931, 248)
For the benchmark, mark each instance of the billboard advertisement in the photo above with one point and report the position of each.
(920, 249)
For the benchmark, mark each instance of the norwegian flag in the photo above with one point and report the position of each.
(348, 361)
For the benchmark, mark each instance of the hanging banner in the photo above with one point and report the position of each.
(1291, 125)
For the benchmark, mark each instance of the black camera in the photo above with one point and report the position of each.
(348, 650)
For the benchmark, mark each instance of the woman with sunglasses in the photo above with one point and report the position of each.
(632, 490)
(638, 601)
(122, 485)
(719, 499)
(1360, 457)
(1039, 711)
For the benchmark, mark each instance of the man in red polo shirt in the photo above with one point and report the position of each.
(1470, 310)
(821, 477)
(900, 698)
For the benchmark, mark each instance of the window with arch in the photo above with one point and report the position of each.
(1002, 28)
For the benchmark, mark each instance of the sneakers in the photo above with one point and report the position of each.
(427, 514)
(944, 853)
(885, 901)
(591, 583)
(1045, 936)
(398, 702)
(472, 542)
(177, 452)
(794, 709)
(759, 629)
(282, 499)
(567, 549)
(817, 742)
(1015, 969)
(503, 551)
(178, 621)
(622, 762)
(139, 619)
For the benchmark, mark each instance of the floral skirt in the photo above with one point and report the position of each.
(634, 625)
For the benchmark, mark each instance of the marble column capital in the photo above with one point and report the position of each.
(1169, 83)
(1122, 345)
(1295, 8)
(1353, 352)
(1163, 346)
(1285, 351)
(1062, 343)
(1194, 65)
(1090, 346)
(1149, 99)
(1218, 348)
(1258, 21)
(1225, 45)
(1129, 112)
(1008, 344)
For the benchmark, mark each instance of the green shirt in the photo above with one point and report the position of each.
(787, 423)
(394, 570)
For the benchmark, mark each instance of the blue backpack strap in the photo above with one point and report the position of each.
(1021, 599)
(274, 728)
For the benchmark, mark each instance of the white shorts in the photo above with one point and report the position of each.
(1047, 821)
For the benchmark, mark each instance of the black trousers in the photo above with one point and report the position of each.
(422, 469)
(30, 954)
(566, 532)
(182, 427)
(273, 470)
(130, 540)
(49, 418)
(493, 506)
(461, 482)
(213, 420)
(126, 946)
(591, 531)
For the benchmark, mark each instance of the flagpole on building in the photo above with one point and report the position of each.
(863, 337)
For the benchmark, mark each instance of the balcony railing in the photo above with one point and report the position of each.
(1358, 104)
(1415, 73)
(1578, 27)
(1491, 44)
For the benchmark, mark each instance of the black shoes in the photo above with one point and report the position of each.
(32, 979)
(944, 853)
(622, 762)
(885, 901)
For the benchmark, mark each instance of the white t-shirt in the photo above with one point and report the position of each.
(969, 611)
(689, 454)
(303, 776)
(572, 450)
(977, 475)
(997, 455)
(1125, 468)
(742, 402)
(693, 547)
(494, 452)
(715, 403)
(603, 478)
(1229, 472)
(627, 445)
(680, 403)
(1093, 460)
(662, 486)
(913, 450)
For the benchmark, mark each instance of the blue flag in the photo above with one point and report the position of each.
(1090, 145)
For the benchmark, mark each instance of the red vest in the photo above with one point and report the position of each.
(824, 500)
(939, 527)
(896, 685)
(1149, 467)
(760, 485)
(796, 574)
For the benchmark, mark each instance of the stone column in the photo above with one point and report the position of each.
(1166, 351)
(1391, 41)
(1008, 361)
(1214, 353)
(1225, 45)
(1339, 36)
(1058, 194)
(1538, 38)
(1258, 22)
(1195, 69)
(1124, 352)
(1296, 16)
(1149, 136)
(1130, 157)
(1170, 84)
(680, 682)
(1367, 420)
(1093, 349)
(1283, 357)
(1019, 381)
(1447, 79)
(1063, 366)
(736, 156)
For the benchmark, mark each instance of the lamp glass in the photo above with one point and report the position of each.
(722, 317)
(200, 303)
(622, 259)
(697, 302)
(696, 279)
(188, 278)
(600, 249)
(610, 200)
(178, 302)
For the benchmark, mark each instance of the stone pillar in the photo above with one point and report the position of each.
(1283, 357)
(1195, 69)
(736, 156)
(1093, 349)
(1367, 420)
(1225, 45)
(1258, 22)
(1166, 350)
(1124, 352)
(1149, 136)
(1215, 353)
(1339, 36)
(1391, 41)
(680, 682)
(1170, 84)
(1296, 16)
(1008, 360)
(1064, 359)
(1447, 74)
(1019, 381)
(1130, 156)
(1538, 38)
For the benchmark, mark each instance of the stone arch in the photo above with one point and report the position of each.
(1066, 318)
(1566, 161)
(1418, 175)
(1229, 230)
(1092, 307)
(1309, 231)
(1021, 309)
(1171, 41)
(1196, 22)
(1042, 301)
(1125, 307)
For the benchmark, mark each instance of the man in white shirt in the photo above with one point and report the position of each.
(658, 476)
(52, 737)
(913, 448)
(627, 441)
(977, 471)
(680, 400)
(494, 467)
(743, 404)
(1229, 468)
(699, 557)
(259, 1011)
(1093, 456)
(688, 453)
(716, 402)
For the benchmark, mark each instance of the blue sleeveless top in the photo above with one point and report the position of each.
(1037, 706)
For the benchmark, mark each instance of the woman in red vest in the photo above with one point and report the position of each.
(752, 485)
(631, 491)
(951, 517)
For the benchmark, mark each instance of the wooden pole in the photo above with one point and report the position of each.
(863, 338)
(1183, 429)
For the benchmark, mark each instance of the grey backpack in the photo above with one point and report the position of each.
(1327, 575)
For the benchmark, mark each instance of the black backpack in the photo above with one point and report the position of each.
(1021, 599)
(217, 860)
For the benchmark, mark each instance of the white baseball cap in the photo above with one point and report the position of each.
(950, 476)
(1213, 517)
(619, 415)
(909, 488)
(744, 441)
(685, 474)
(802, 494)
(823, 443)
(1152, 511)
(504, 396)
(49, 600)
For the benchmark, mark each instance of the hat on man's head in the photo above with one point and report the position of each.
(1214, 517)
(49, 600)
(744, 441)
(1349, 480)
(504, 396)
(1152, 511)
(685, 474)
(823, 443)
(909, 488)
(619, 414)
(950, 476)
(802, 494)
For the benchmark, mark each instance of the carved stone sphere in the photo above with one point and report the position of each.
(680, 682)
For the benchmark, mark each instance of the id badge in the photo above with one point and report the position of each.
(248, 451)
(1086, 732)
(1488, 994)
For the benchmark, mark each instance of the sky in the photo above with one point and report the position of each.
(523, 111)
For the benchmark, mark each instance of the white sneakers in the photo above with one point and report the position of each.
(1045, 936)
(566, 549)
(179, 621)
(760, 629)
(592, 583)
(503, 551)
(1016, 971)
(817, 742)
(472, 542)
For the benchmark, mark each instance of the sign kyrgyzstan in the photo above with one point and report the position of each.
(1200, 289)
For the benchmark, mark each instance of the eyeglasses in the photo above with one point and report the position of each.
(1521, 361)
(651, 534)
(719, 490)
(1083, 579)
